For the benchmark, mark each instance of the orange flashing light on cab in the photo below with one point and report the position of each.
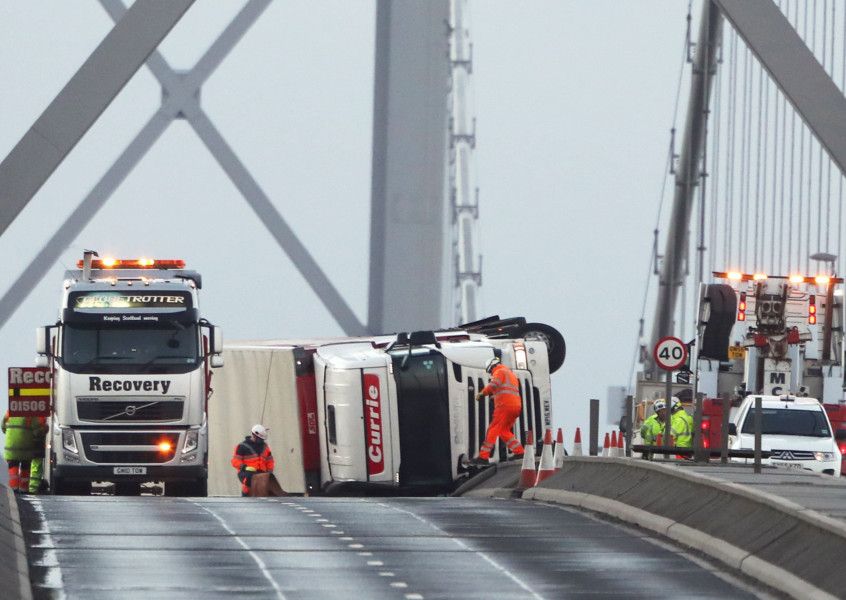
(135, 263)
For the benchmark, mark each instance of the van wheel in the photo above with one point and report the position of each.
(556, 349)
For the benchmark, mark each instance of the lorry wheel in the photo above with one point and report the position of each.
(556, 349)
(60, 487)
(196, 488)
(127, 488)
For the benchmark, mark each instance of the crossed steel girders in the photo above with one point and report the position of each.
(180, 99)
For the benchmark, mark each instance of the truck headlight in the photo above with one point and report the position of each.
(824, 456)
(69, 441)
(190, 441)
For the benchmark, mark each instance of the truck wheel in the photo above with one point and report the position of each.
(127, 488)
(60, 487)
(556, 349)
(196, 488)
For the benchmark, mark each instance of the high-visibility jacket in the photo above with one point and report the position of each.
(651, 429)
(252, 455)
(682, 426)
(24, 437)
(503, 386)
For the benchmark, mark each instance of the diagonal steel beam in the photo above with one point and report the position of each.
(273, 221)
(181, 94)
(794, 69)
(82, 101)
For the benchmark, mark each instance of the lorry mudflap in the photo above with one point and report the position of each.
(424, 425)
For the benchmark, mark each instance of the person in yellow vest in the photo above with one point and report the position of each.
(24, 451)
(681, 424)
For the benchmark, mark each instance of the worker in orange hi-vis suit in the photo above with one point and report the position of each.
(504, 388)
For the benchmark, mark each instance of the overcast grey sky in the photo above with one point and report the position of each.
(573, 102)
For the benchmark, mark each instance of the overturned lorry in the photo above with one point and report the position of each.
(384, 414)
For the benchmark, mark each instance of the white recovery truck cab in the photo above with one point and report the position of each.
(131, 367)
(384, 414)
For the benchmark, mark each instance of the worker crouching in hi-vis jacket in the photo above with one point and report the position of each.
(505, 390)
(24, 451)
(252, 456)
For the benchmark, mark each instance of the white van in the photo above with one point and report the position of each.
(796, 431)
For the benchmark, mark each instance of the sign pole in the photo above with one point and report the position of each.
(668, 426)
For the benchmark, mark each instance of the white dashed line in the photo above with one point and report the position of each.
(356, 545)
(346, 539)
(365, 554)
(375, 563)
(244, 545)
(399, 584)
(414, 596)
(480, 554)
(336, 532)
(386, 574)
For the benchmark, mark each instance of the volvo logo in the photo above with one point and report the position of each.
(129, 410)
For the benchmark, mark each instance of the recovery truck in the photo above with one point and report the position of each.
(378, 415)
(131, 363)
(778, 336)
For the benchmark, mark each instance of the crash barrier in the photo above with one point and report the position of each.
(690, 452)
(773, 540)
(14, 570)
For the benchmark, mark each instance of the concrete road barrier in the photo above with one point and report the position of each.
(778, 542)
(14, 570)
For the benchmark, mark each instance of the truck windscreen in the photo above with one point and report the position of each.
(167, 347)
(783, 421)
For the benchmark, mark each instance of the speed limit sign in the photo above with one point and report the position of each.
(670, 353)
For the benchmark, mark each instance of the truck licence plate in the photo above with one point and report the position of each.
(130, 470)
(789, 465)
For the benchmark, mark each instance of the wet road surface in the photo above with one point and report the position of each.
(302, 548)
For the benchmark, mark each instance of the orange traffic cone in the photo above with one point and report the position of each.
(528, 475)
(606, 445)
(558, 456)
(547, 464)
(621, 448)
(577, 443)
(612, 451)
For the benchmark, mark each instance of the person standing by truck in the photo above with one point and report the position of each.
(504, 388)
(252, 456)
(681, 424)
(24, 451)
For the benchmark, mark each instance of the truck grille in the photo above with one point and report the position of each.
(129, 410)
(93, 441)
(792, 455)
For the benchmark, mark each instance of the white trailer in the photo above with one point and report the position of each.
(374, 415)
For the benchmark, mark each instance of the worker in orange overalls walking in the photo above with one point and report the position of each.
(503, 386)
(252, 456)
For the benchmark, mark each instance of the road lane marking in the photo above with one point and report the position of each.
(414, 596)
(53, 578)
(374, 563)
(481, 554)
(386, 574)
(244, 545)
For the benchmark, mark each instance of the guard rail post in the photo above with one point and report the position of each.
(698, 454)
(758, 418)
(594, 427)
(724, 431)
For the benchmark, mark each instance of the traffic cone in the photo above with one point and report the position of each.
(612, 451)
(577, 443)
(558, 456)
(547, 464)
(528, 475)
(606, 445)
(621, 447)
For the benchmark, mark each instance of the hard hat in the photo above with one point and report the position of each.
(492, 363)
(260, 431)
(675, 404)
(660, 404)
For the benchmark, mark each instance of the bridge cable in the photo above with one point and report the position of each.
(840, 190)
(730, 161)
(715, 165)
(666, 171)
(760, 145)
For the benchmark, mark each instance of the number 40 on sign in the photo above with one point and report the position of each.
(670, 353)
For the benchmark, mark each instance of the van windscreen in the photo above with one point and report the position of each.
(785, 421)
